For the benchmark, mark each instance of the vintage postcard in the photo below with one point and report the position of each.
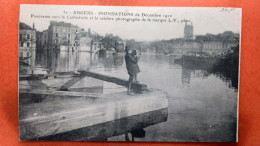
(110, 73)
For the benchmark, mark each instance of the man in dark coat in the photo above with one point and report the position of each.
(132, 67)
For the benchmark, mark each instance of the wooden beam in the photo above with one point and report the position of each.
(37, 84)
(55, 114)
(112, 128)
(135, 86)
(46, 76)
(70, 83)
(60, 93)
(82, 73)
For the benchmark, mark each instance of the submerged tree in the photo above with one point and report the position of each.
(110, 41)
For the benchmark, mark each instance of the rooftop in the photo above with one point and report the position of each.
(24, 26)
(62, 23)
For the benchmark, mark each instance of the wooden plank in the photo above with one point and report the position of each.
(37, 84)
(62, 93)
(135, 86)
(49, 76)
(122, 82)
(58, 114)
(70, 83)
(103, 131)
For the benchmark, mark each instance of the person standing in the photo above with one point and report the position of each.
(132, 68)
(135, 56)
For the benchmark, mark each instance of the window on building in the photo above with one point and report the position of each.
(57, 35)
(27, 54)
(28, 44)
(28, 36)
(57, 41)
(21, 36)
(21, 54)
(21, 44)
(68, 35)
(68, 42)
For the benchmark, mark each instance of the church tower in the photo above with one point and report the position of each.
(33, 26)
(188, 31)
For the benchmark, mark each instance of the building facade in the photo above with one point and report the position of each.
(27, 37)
(218, 47)
(61, 34)
(214, 47)
(44, 39)
(27, 46)
(65, 36)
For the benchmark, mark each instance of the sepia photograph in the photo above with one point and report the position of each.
(117, 73)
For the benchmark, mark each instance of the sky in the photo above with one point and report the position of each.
(204, 20)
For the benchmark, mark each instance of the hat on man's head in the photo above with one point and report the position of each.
(126, 48)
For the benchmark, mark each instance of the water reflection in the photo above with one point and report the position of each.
(56, 61)
(26, 61)
(49, 61)
(199, 96)
(228, 74)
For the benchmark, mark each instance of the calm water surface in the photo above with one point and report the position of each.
(202, 106)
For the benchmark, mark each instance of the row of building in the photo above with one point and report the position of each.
(209, 43)
(66, 36)
(62, 36)
(214, 47)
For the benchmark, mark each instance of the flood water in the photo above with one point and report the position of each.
(202, 105)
